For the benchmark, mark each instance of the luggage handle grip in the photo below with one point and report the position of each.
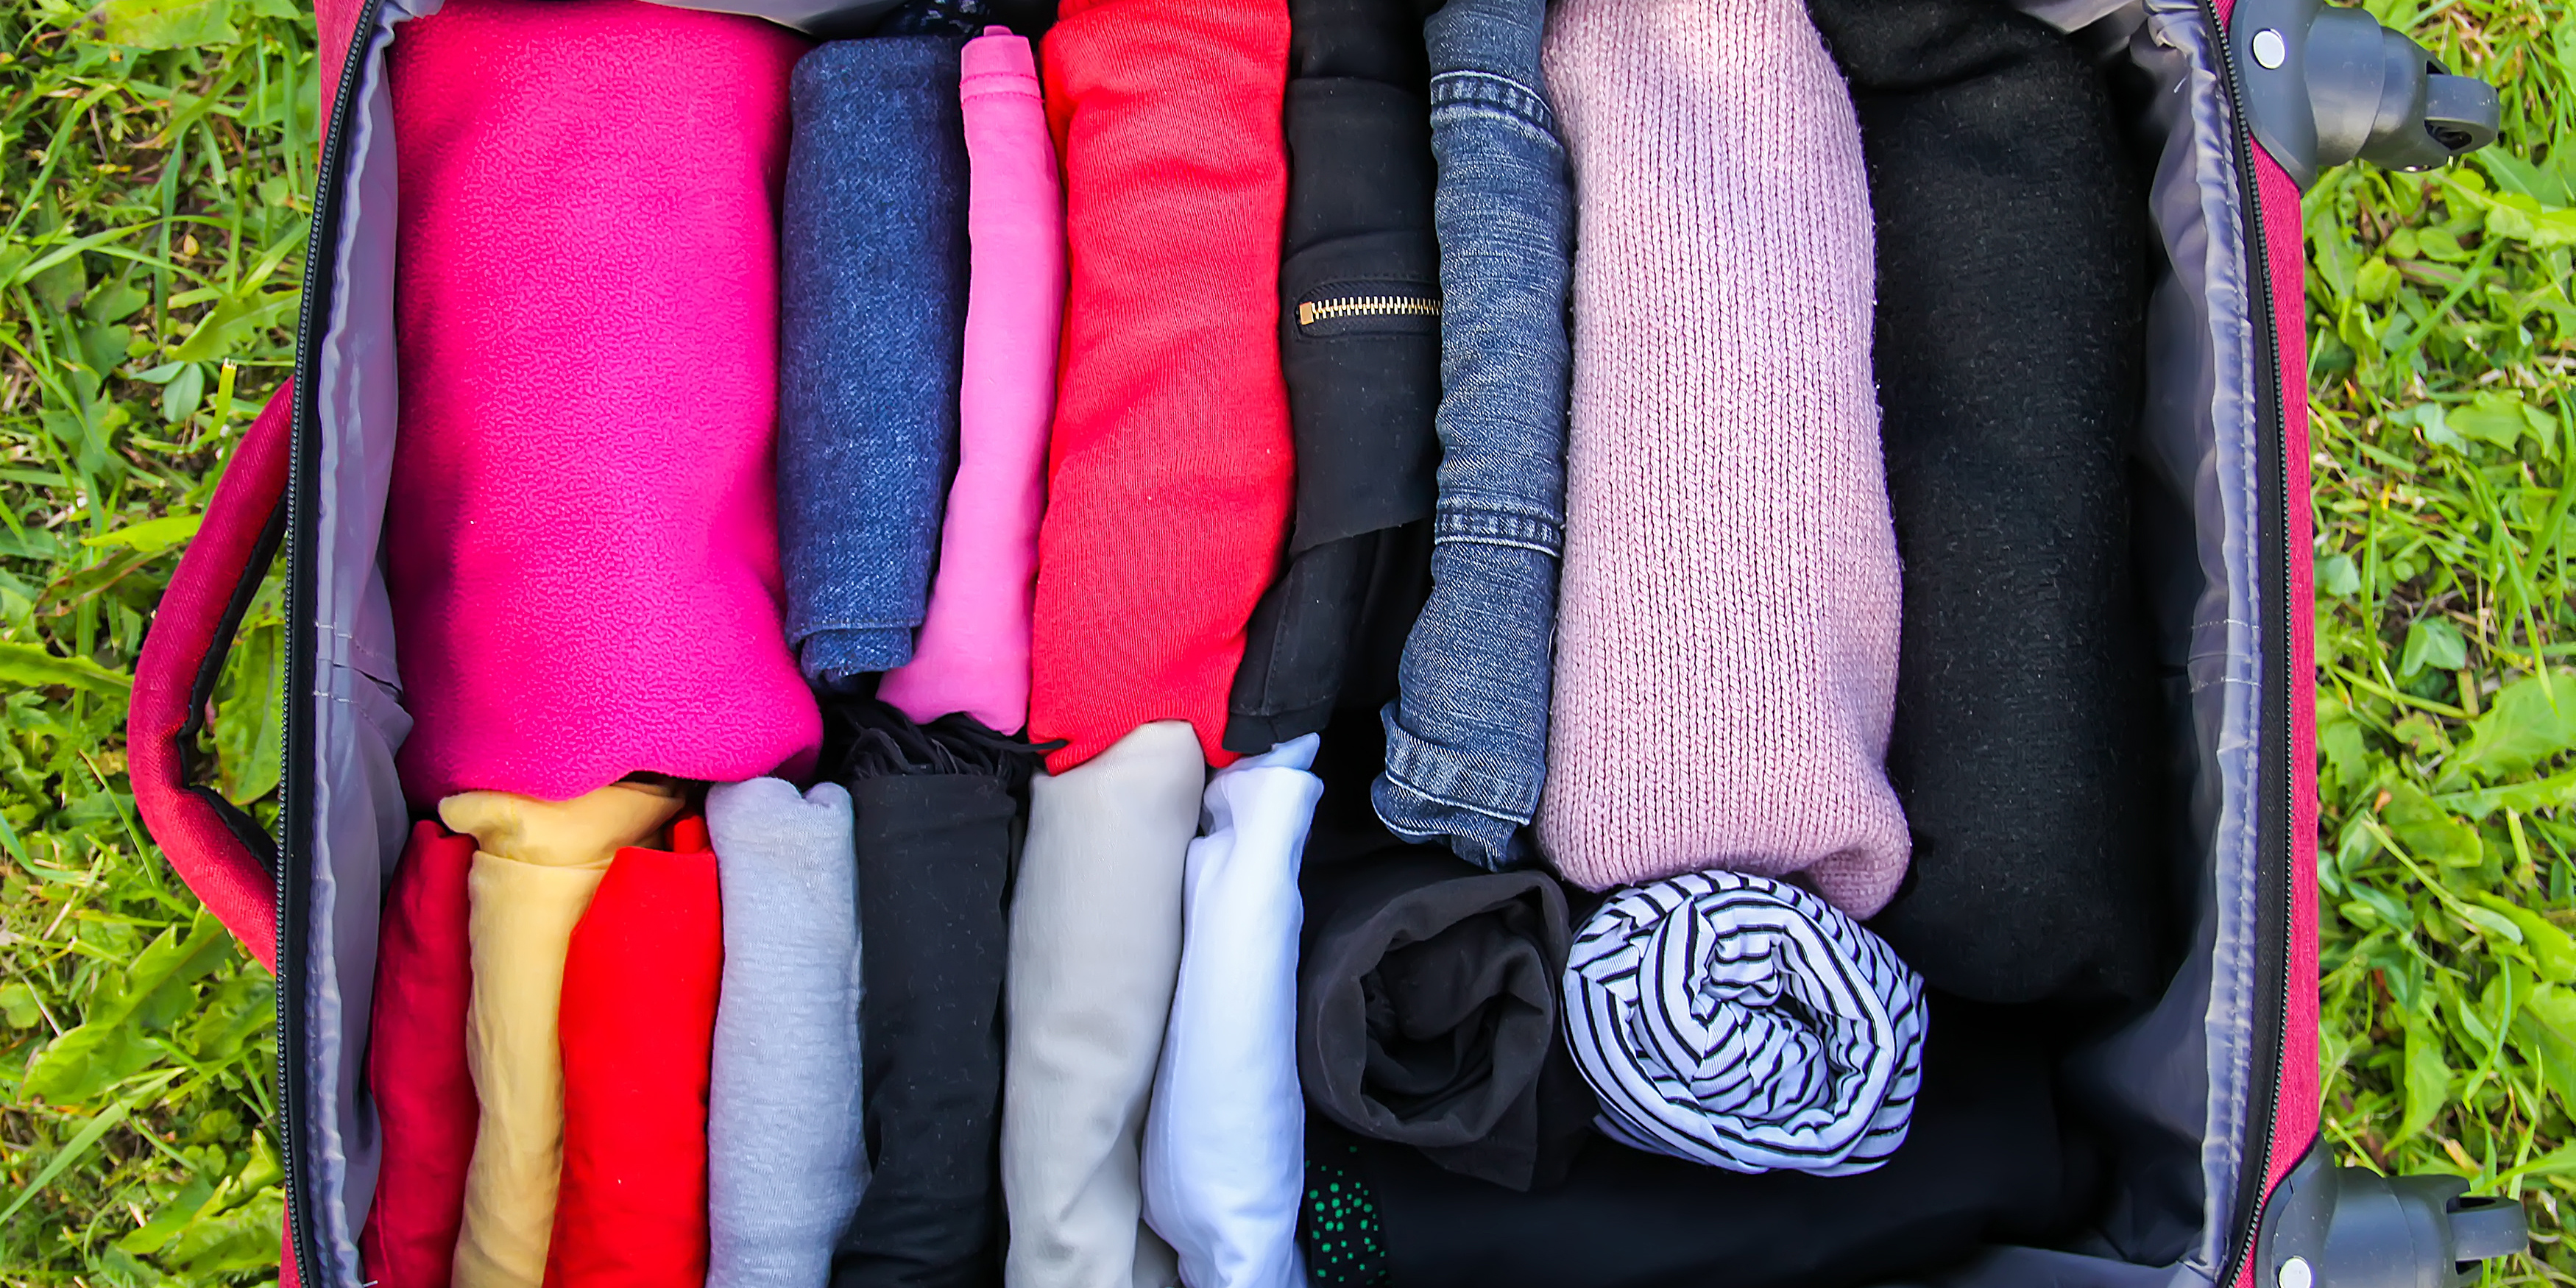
(223, 855)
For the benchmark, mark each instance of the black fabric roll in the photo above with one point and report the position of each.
(2009, 355)
(1359, 345)
(960, 18)
(1984, 1162)
(938, 814)
(1427, 994)
(1328, 635)
(1378, 40)
(1029, 18)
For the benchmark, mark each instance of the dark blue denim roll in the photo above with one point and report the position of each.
(1466, 737)
(872, 324)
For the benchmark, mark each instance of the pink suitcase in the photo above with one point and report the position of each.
(2221, 1175)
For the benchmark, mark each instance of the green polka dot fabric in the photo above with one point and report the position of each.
(1344, 1246)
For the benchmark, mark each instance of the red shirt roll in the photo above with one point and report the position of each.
(1169, 467)
(425, 1106)
(638, 1026)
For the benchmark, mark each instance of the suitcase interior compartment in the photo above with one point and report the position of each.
(2180, 1099)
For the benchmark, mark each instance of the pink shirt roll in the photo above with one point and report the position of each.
(582, 538)
(973, 651)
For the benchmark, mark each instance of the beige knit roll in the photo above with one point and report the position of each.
(536, 864)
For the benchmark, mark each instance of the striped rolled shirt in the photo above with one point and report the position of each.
(1739, 1022)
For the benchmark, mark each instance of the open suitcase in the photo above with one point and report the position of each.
(2220, 1177)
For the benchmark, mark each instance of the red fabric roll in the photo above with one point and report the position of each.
(638, 1022)
(1169, 467)
(425, 1106)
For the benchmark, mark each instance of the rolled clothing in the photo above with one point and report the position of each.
(1169, 467)
(417, 1070)
(1729, 606)
(1095, 952)
(552, 500)
(1744, 1023)
(960, 19)
(639, 1013)
(1370, 40)
(1029, 18)
(1467, 732)
(1225, 1135)
(1359, 345)
(937, 811)
(1332, 629)
(1427, 1011)
(1329, 632)
(872, 311)
(785, 1165)
(1986, 1163)
(536, 865)
(2027, 726)
(973, 652)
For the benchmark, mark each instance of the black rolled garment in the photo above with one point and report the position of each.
(957, 19)
(1359, 346)
(2009, 354)
(1427, 995)
(938, 816)
(1029, 18)
(963, 19)
(1983, 1162)
(1328, 634)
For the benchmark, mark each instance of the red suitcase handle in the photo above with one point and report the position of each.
(217, 849)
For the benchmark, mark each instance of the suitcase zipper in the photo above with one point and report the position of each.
(1367, 306)
(2274, 846)
(295, 792)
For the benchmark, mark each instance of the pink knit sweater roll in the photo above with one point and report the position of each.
(973, 654)
(1726, 644)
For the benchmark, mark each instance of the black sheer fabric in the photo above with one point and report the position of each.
(939, 817)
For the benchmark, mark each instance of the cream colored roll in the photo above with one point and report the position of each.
(536, 864)
(1095, 952)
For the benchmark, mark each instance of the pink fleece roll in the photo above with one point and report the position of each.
(582, 541)
(973, 651)
(1727, 640)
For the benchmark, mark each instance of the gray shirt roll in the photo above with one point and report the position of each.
(785, 1162)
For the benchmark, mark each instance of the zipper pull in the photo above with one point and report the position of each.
(1310, 312)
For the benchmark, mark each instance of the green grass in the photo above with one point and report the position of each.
(152, 215)
(145, 283)
(2443, 369)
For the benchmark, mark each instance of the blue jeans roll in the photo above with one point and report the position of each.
(1467, 733)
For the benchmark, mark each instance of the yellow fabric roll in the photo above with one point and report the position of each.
(536, 864)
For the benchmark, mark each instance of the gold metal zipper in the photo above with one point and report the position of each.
(1311, 312)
